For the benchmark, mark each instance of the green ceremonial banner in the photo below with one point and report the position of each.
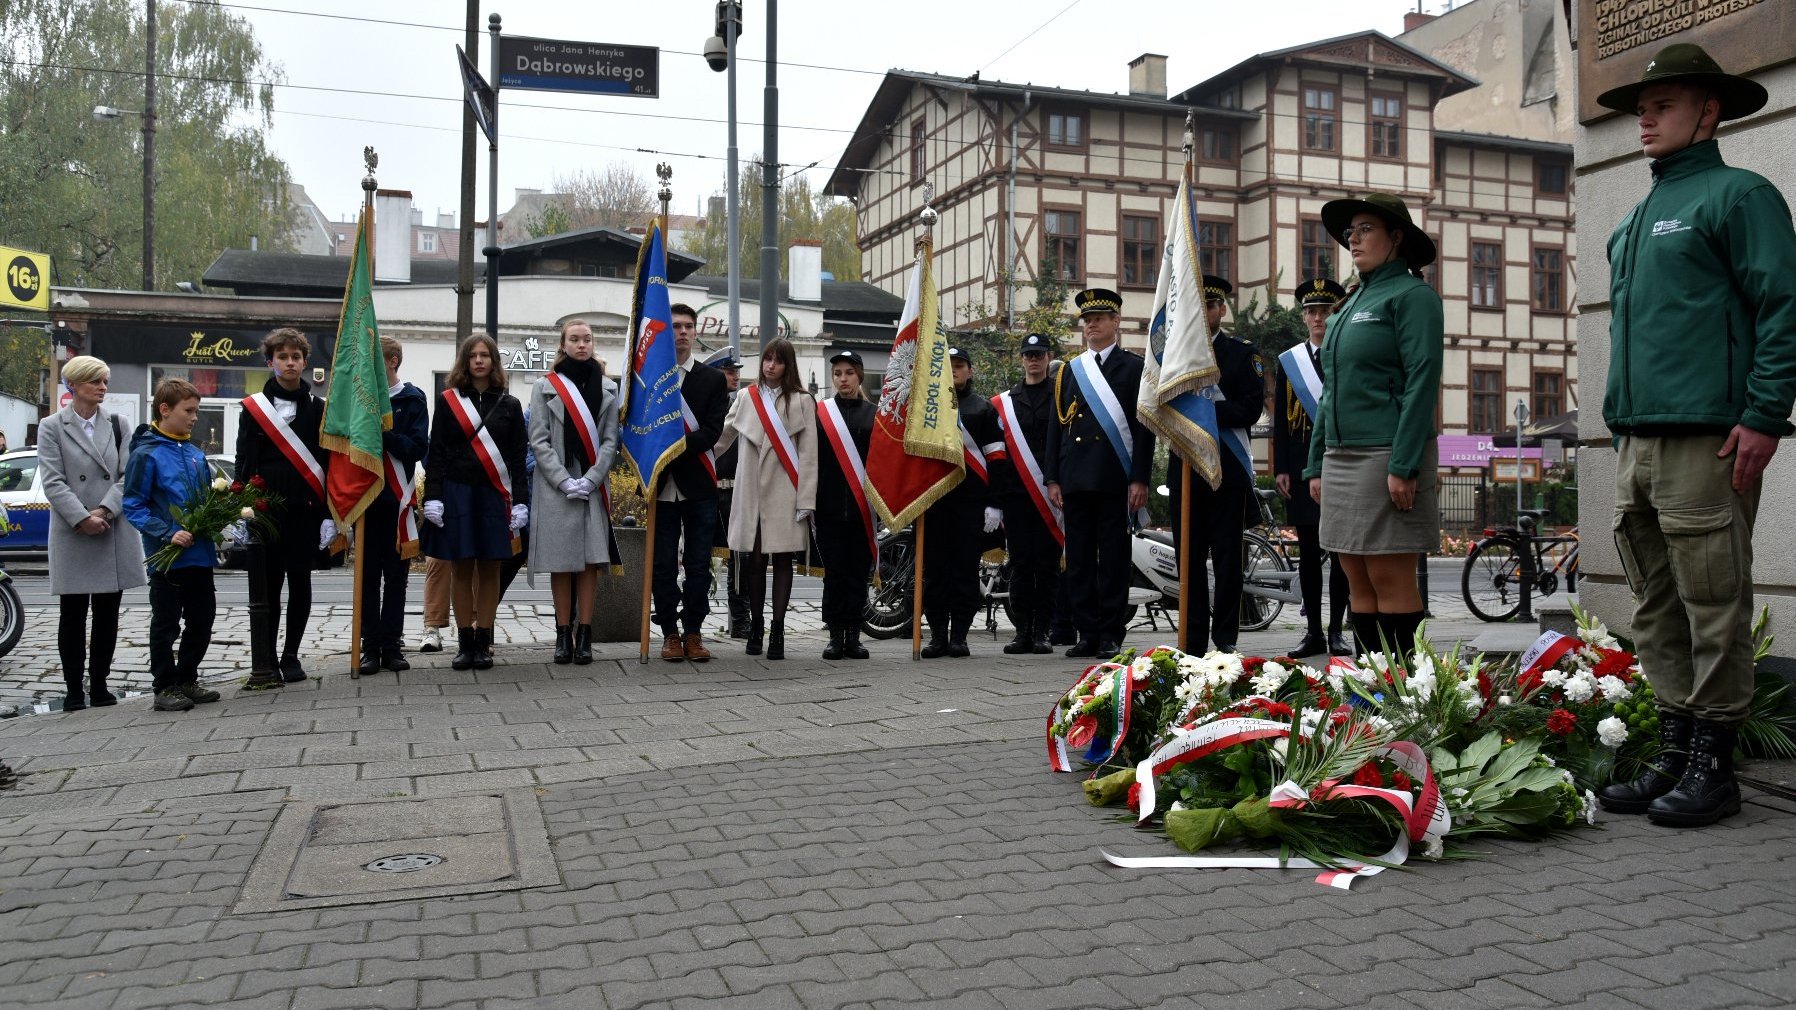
(357, 408)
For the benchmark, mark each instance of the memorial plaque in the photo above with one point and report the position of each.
(1617, 38)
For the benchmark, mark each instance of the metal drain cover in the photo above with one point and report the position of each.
(410, 862)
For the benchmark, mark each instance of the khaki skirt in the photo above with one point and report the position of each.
(1357, 514)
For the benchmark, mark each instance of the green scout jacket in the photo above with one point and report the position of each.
(1381, 370)
(1702, 297)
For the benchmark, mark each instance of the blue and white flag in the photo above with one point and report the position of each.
(1179, 375)
(652, 424)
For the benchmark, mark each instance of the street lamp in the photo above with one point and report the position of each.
(720, 53)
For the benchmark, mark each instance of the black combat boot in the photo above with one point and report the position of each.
(754, 636)
(1661, 776)
(464, 649)
(938, 636)
(852, 647)
(1707, 792)
(776, 640)
(1024, 642)
(957, 636)
(833, 650)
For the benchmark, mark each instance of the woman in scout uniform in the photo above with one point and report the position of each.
(776, 484)
(477, 491)
(845, 531)
(1373, 461)
(573, 432)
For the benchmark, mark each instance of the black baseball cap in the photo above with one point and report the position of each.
(852, 357)
(1036, 343)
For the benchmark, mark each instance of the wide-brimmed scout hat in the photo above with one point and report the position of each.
(1687, 63)
(1418, 249)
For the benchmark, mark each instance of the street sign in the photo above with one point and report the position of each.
(588, 68)
(27, 279)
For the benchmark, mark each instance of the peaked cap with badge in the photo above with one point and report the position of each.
(1319, 291)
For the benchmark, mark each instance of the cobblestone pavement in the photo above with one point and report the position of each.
(798, 834)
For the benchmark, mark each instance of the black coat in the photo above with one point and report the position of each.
(258, 455)
(981, 421)
(835, 498)
(409, 437)
(1291, 431)
(1079, 455)
(1034, 406)
(707, 393)
(1243, 385)
(451, 456)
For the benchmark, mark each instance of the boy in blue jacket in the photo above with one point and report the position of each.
(166, 469)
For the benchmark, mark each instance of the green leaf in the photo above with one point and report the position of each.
(1481, 750)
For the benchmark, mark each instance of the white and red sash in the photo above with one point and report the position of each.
(578, 414)
(709, 456)
(974, 457)
(401, 488)
(485, 449)
(835, 429)
(282, 435)
(1028, 467)
(766, 403)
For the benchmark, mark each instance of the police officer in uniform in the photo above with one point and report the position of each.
(730, 365)
(1086, 476)
(953, 540)
(1219, 515)
(1033, 545)
(1291, 428)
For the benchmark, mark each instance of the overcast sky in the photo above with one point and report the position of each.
(848, 43)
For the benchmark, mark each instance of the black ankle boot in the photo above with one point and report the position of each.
(483, 648)
(1661, 776)
(957, 636)
(76, 699)
(97, 694)
(564, 644)
(1044, 642)
(1366, 630)
(464, 649)
(582, 644)
(776, 641)
(754, 636)
(851, 645)
(833, 650)
(1707, 792)
(370, 662)
(1023, 643)
(938, 637)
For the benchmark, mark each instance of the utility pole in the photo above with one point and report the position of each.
(729, 13)
(464, 274)
(149, 146)
(770, 185)
(492, 194)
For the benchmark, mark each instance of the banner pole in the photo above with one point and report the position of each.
(355, 621)
(1184, 553)
(648, 584)
(916, 598)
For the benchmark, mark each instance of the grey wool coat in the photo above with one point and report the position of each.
(80, 475)
(566, 536)
(765, 501)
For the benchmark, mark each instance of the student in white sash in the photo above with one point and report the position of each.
(476, 505)
(844, 526)
(277, 440)
(573, 432)
(776, 485)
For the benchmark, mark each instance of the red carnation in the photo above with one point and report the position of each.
(1401, 781)
(257, 482)
(261, 504)
(1251, 665)
(1615, 663)
(236, 487)
(1368, 776)
(1562, 723)
(1084, 728)
(1135, 796)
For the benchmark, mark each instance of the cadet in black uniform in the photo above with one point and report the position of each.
(1295, 397)
(1219, 516)
(952, 541)
(1086, 475)
(1034, 541)
(843, 526)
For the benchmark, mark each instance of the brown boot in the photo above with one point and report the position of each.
(695, 647)
(673, 648)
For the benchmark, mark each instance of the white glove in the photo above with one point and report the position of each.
(237, 533)
(433, 512)
(992, 518)
(803, 515)
(570, 486)
(587, 487)
(327, 531)
(520, 517)
(577, 488)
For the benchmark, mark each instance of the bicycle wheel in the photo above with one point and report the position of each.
(889, 603)
(1491, 581)
(12, 616)
(1259, 557)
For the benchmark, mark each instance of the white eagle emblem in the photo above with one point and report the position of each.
(894, 389)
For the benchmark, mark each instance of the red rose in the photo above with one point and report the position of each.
(1084, 728)
(261, 504)
(1562, 723)
(236, 487)
(1615, 663)
(257, 482)
(1401, 781)
(1368, 776)
(1135, 796)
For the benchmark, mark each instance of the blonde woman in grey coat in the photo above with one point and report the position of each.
(94, 557)
(573, 432)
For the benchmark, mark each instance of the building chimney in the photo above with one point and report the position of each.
(393, 236)
(716, 208)
(1147, 75)
(1416, 19)
(445, 221)
(804, 270)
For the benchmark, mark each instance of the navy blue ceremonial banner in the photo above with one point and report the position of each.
(653, 427)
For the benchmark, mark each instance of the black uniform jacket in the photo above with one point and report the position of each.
(258, 455)
(1034, 407)
(1243, 386)
(1079, 455)
(707, 393)
(835, 497)
(452, 455)
(981, 421)
(1291, 431)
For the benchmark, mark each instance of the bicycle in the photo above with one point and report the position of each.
(1509, 556)
(888, 610)
(1269, 578)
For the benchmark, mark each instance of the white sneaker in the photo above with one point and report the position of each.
(432, 640)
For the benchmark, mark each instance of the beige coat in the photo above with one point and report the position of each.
(765, 502)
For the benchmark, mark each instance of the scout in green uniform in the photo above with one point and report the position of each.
(1373, 457)
(1702, 372)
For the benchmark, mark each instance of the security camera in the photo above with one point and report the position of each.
(717, 54)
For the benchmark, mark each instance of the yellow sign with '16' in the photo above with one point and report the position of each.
(27, 281)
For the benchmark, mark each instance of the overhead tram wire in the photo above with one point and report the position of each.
(505, 136)
(1037, 31)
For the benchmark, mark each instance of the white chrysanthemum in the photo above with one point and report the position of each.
(1580, 688)
(1612, 731)
(1614, 689)
(1103, 687)
(1380, 724)
(1552, 678)
(1589, 807)
(1272, 677)
(1190, 665)
(1433, 849)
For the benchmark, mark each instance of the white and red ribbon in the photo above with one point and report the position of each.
(767, 407)
(486, 450)
(835, 430)
(1546, 652)
(975, 458)
(1121, 689)
(401, 487)
(282, 435)
(709, 456)
(1028, 467)
(578, 414)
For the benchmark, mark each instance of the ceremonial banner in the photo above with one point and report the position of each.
(1179, 371)
(915, 457)
(357, 409)
(653, 423)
